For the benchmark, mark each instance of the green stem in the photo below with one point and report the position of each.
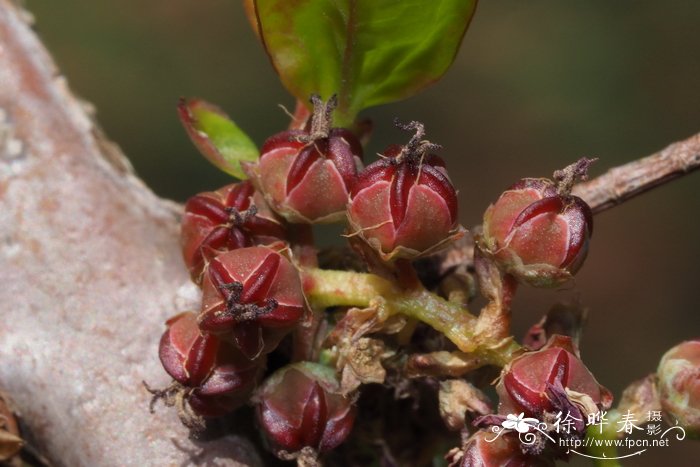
(451, 319)
(326, 288)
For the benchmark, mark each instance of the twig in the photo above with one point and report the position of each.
(624, 182)
(614, 187)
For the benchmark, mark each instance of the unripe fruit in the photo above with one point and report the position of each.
(404, 204)
(550, 380)
(213, 374)
(306, 176)
(679, 385)
(300, 406)
(252, 296)
(537, 233)
(234, 216)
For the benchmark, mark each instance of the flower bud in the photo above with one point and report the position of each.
(234, 216)
(551, 380)
(300, 406)
(213, 374)
(484, 449)
(306, 175)
(537, 233)
(679, 385)
(253, 296)
(404, 204)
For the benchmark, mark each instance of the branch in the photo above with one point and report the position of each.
(90, 268)
(621, 183)
(614, 187)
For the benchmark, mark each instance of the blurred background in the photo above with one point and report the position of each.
(535, 86)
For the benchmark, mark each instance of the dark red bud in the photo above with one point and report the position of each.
(252, 295)
(537, 234)
(234, 216)
(306, 177)
(217, 374)
(544, 381)
(403, 203)
(301, 406)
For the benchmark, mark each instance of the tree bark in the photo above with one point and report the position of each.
(90, 269)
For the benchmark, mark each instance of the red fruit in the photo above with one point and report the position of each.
(252, 295)
(306, 175)
(214, 374)
(234, 216)
(301, 406)
(404, 204)
(537, 233)
(679, 385)
(550, 380)
(484, 449)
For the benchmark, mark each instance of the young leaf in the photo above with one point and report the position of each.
(216, 136)
(369, 52)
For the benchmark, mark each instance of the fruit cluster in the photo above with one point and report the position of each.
(301, 343)
(238, 243)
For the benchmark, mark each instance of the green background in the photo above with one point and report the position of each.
(536, 85)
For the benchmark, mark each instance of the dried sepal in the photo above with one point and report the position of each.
(458, 398)
(358, 359)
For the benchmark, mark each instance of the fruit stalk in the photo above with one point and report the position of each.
(326, 288)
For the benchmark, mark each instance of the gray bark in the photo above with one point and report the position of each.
(90, 268)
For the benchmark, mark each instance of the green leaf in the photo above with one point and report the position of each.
(216, 136)
(369, 52)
